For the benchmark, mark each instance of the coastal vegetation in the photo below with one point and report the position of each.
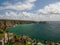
(25, 40)
(1, 34)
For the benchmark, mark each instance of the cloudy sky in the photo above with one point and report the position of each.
(36, 10)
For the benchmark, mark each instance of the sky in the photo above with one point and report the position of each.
(35, 10)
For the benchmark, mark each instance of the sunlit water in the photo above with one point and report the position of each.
(49, 31)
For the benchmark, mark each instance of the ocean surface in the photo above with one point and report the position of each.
(49, 31)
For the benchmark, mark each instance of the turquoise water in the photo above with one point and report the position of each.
(49, 31)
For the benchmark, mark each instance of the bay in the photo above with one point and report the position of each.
(49, 31)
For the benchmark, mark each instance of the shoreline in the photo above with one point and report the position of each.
(24, 39)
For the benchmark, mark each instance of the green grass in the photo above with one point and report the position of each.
(1, 33)
(0, 29)
(1, 36)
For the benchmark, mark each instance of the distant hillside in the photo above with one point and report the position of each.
(9, 23)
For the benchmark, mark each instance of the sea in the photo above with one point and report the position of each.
(49, 31)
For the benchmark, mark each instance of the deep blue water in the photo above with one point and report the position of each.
(49, 31)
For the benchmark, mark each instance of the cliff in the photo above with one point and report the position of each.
(9, 23)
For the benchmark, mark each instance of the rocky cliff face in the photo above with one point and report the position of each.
(9, 23)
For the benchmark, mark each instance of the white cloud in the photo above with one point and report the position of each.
(50, 12)
(27, 4)
(15, 16)
(54, 18)
(23, 16)
(30, 1)
(29, 16)
(50, 9)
